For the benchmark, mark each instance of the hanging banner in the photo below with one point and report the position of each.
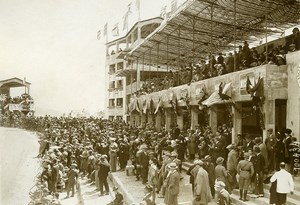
(243, 82)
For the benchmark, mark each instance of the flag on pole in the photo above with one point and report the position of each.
(138, 8)
(163, 12)
(126, 17)
(173, 6)
(115, 30)
(99, 35)
(105, 30)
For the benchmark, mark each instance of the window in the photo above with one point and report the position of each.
(111, 103)
(112, 69)
(120, 102)
(120, 66)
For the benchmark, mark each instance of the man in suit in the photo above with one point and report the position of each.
(202, 191)
(172, 185)
(144, 162)
(259, 172)
(104, 169)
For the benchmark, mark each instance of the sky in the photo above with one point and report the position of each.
(54, 45)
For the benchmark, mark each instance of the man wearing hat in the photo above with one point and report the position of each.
(192, 171)
(232, 162)
(202, 194)
(210, 168)
(270, 144)
(72, 178)
(223, 195)
(172, 185)
(144, 162)
(288, 154)
(113, 150)
(104, 169)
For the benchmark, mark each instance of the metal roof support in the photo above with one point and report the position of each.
(266, 29)
(150, 61)
(179, 50)
(234, 36)
(157, 60)
(138, 74)
(211, 37)
(167, 53)
(143, 66)
(191, 72)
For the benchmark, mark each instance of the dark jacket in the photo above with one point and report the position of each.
(104, 170)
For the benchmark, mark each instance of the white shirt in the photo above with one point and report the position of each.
(285, 183)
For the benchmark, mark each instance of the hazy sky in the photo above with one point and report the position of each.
(53, 44)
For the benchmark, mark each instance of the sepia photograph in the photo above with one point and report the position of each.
(139, 102)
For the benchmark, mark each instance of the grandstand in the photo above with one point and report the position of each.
(195, 35)
(21, 105)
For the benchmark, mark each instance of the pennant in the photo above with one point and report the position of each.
(115, 30)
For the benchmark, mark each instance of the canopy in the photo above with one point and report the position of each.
(202, 27)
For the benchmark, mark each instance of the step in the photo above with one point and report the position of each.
(263, 200)
(235, 200)
(295, 196)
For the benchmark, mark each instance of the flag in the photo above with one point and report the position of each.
(163, 12)
(24, 81)
(158, 106)
(173, 6)
(99, 35)
(105, 30)
(126, 16)
(217, 96)
(255, 90)
(115, 30)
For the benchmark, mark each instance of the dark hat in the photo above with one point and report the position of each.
(288, 131)
(115, 188)
(149, 187)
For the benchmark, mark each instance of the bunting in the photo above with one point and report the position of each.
(174, 103)
(151, 107)
(217, 96)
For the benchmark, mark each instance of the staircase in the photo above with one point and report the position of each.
(291, 199)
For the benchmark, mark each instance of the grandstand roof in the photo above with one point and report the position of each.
(14, 82)
(201, 27)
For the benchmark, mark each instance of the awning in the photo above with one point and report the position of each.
(202, 27)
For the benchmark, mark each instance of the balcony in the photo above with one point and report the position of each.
(274, 79)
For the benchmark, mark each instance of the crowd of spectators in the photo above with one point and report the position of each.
(218, 65)
(17, 100)
(92, 147)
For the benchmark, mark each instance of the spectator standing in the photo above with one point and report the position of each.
(144, 162)
(245, 170)
(210, 169)
(232, 162)
(285, 184)
(221, 172)
(172, 185)
(72, 177)
(113, 154)
(270, 144)
(259, 172)
(287, 153)
(202, 194)
(103, 174)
